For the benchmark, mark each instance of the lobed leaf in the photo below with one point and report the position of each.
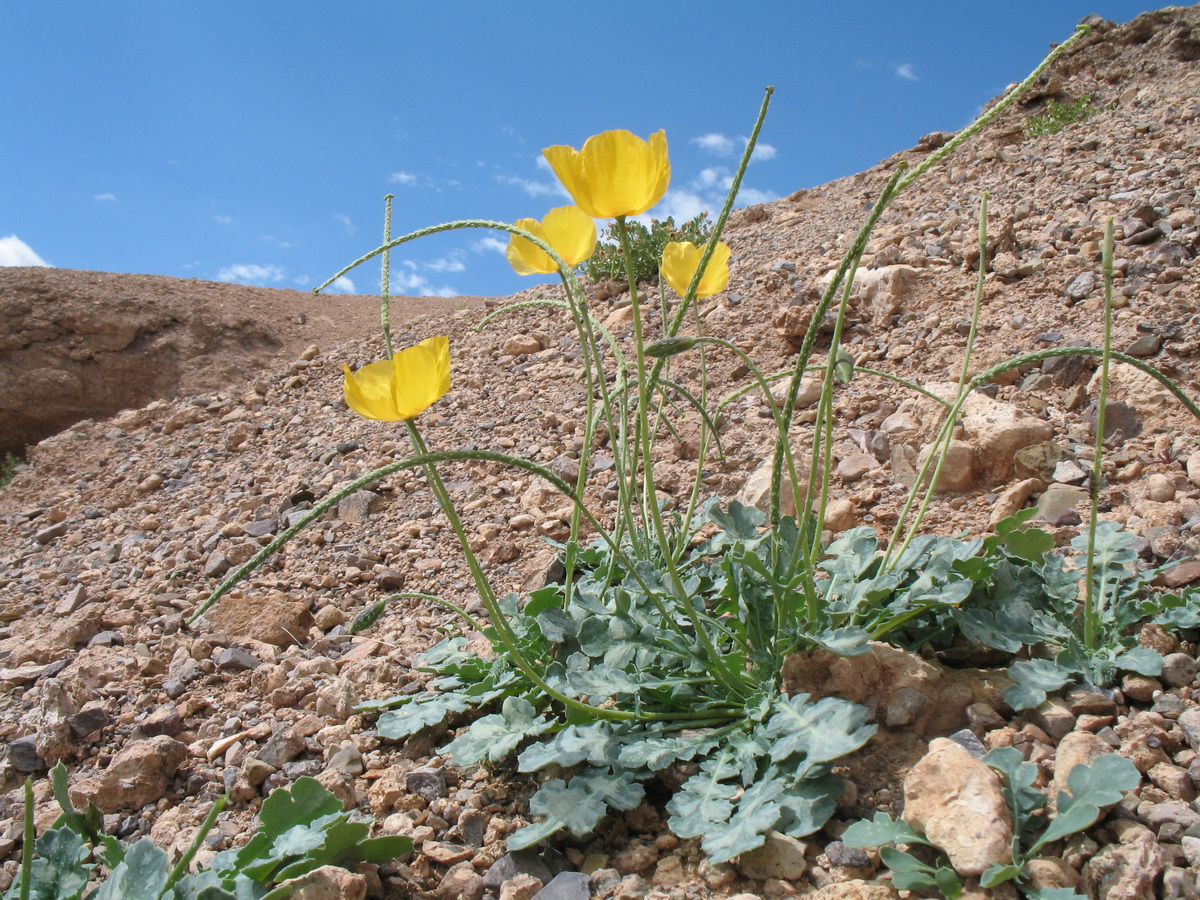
(496, 736)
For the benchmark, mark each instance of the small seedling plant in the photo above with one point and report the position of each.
(1090, 788)
(302, 827)
(660, 650)
(646, 244)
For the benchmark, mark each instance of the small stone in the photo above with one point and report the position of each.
(840, 855)
(1189, 724)
(1145, 345)
(956, 801)
(235, 659)
(427, 783)
(23, 755)
(521, 344)
(282, 748)
(262, 527)
(520, 887)
(216, 565)
(1081, 286)
(461, 882)
(780, 856)
(89, 720)
(356, 509)
(567, 886)
(1179, 670)
(46, 535)
(1140, 687)
(347, 759)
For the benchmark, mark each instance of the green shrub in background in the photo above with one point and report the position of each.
(8, 467)
(1058, 116)
(646, 244)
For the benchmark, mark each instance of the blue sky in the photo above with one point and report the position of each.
(254, 141)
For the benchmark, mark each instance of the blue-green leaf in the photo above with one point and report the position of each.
(494, 737)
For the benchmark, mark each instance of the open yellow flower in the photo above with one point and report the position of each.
(615, 174)
(400, 388)
(679, 262)
(568, 229)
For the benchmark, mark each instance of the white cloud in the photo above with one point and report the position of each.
(415, 285)
(223, 220)
(907, 72)
(490, 245)
(108, 198)
(445, 264)
(750, 196)
(15, 252)
(534, 188)
(252, 274)
(342, 285)
(716, 143)
(763, 152)
(345, 222)
(408, 179)
(723, 145)
(680, 205)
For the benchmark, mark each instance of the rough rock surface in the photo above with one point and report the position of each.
(120, 526)
(84, 345)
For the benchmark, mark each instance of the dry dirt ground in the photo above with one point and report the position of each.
(119, 527)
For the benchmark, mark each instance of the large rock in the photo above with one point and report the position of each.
(956, 801)
(268, 616)
(879, 293)
(1125, 872)
(900, 689)
(138, 775)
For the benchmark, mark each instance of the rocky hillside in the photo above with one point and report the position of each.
(86, 345)
(119, 527)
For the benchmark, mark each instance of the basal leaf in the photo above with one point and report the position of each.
(496, 736)
(822, 731)
(556, 625)
(141, 875)
(1102, 783)
(1032, 679)
(305, 802)
(882, 829)
(656, 752)
(998, 874)
(571, 746)
(807, 806)
(757, 811)
(902, 863)
(1031, 544)
(741, 522)
(702, 803)
(58, 872)
(1141, 660)
(414, 717)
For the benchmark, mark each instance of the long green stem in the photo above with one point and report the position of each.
(512, 648)
(651, 514)
(1091, 603)
(936, 458)
(385, 278)
(27, 843)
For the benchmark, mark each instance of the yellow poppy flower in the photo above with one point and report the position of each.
(568, 229)
(616, 173)
(402, 387)
(679, 262)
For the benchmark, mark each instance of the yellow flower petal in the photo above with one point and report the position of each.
(616, 173)
(526, 257)
(402, 387)
(369, 391)
(568, 229)
(679, 262)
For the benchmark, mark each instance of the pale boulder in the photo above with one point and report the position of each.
(956, 801)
